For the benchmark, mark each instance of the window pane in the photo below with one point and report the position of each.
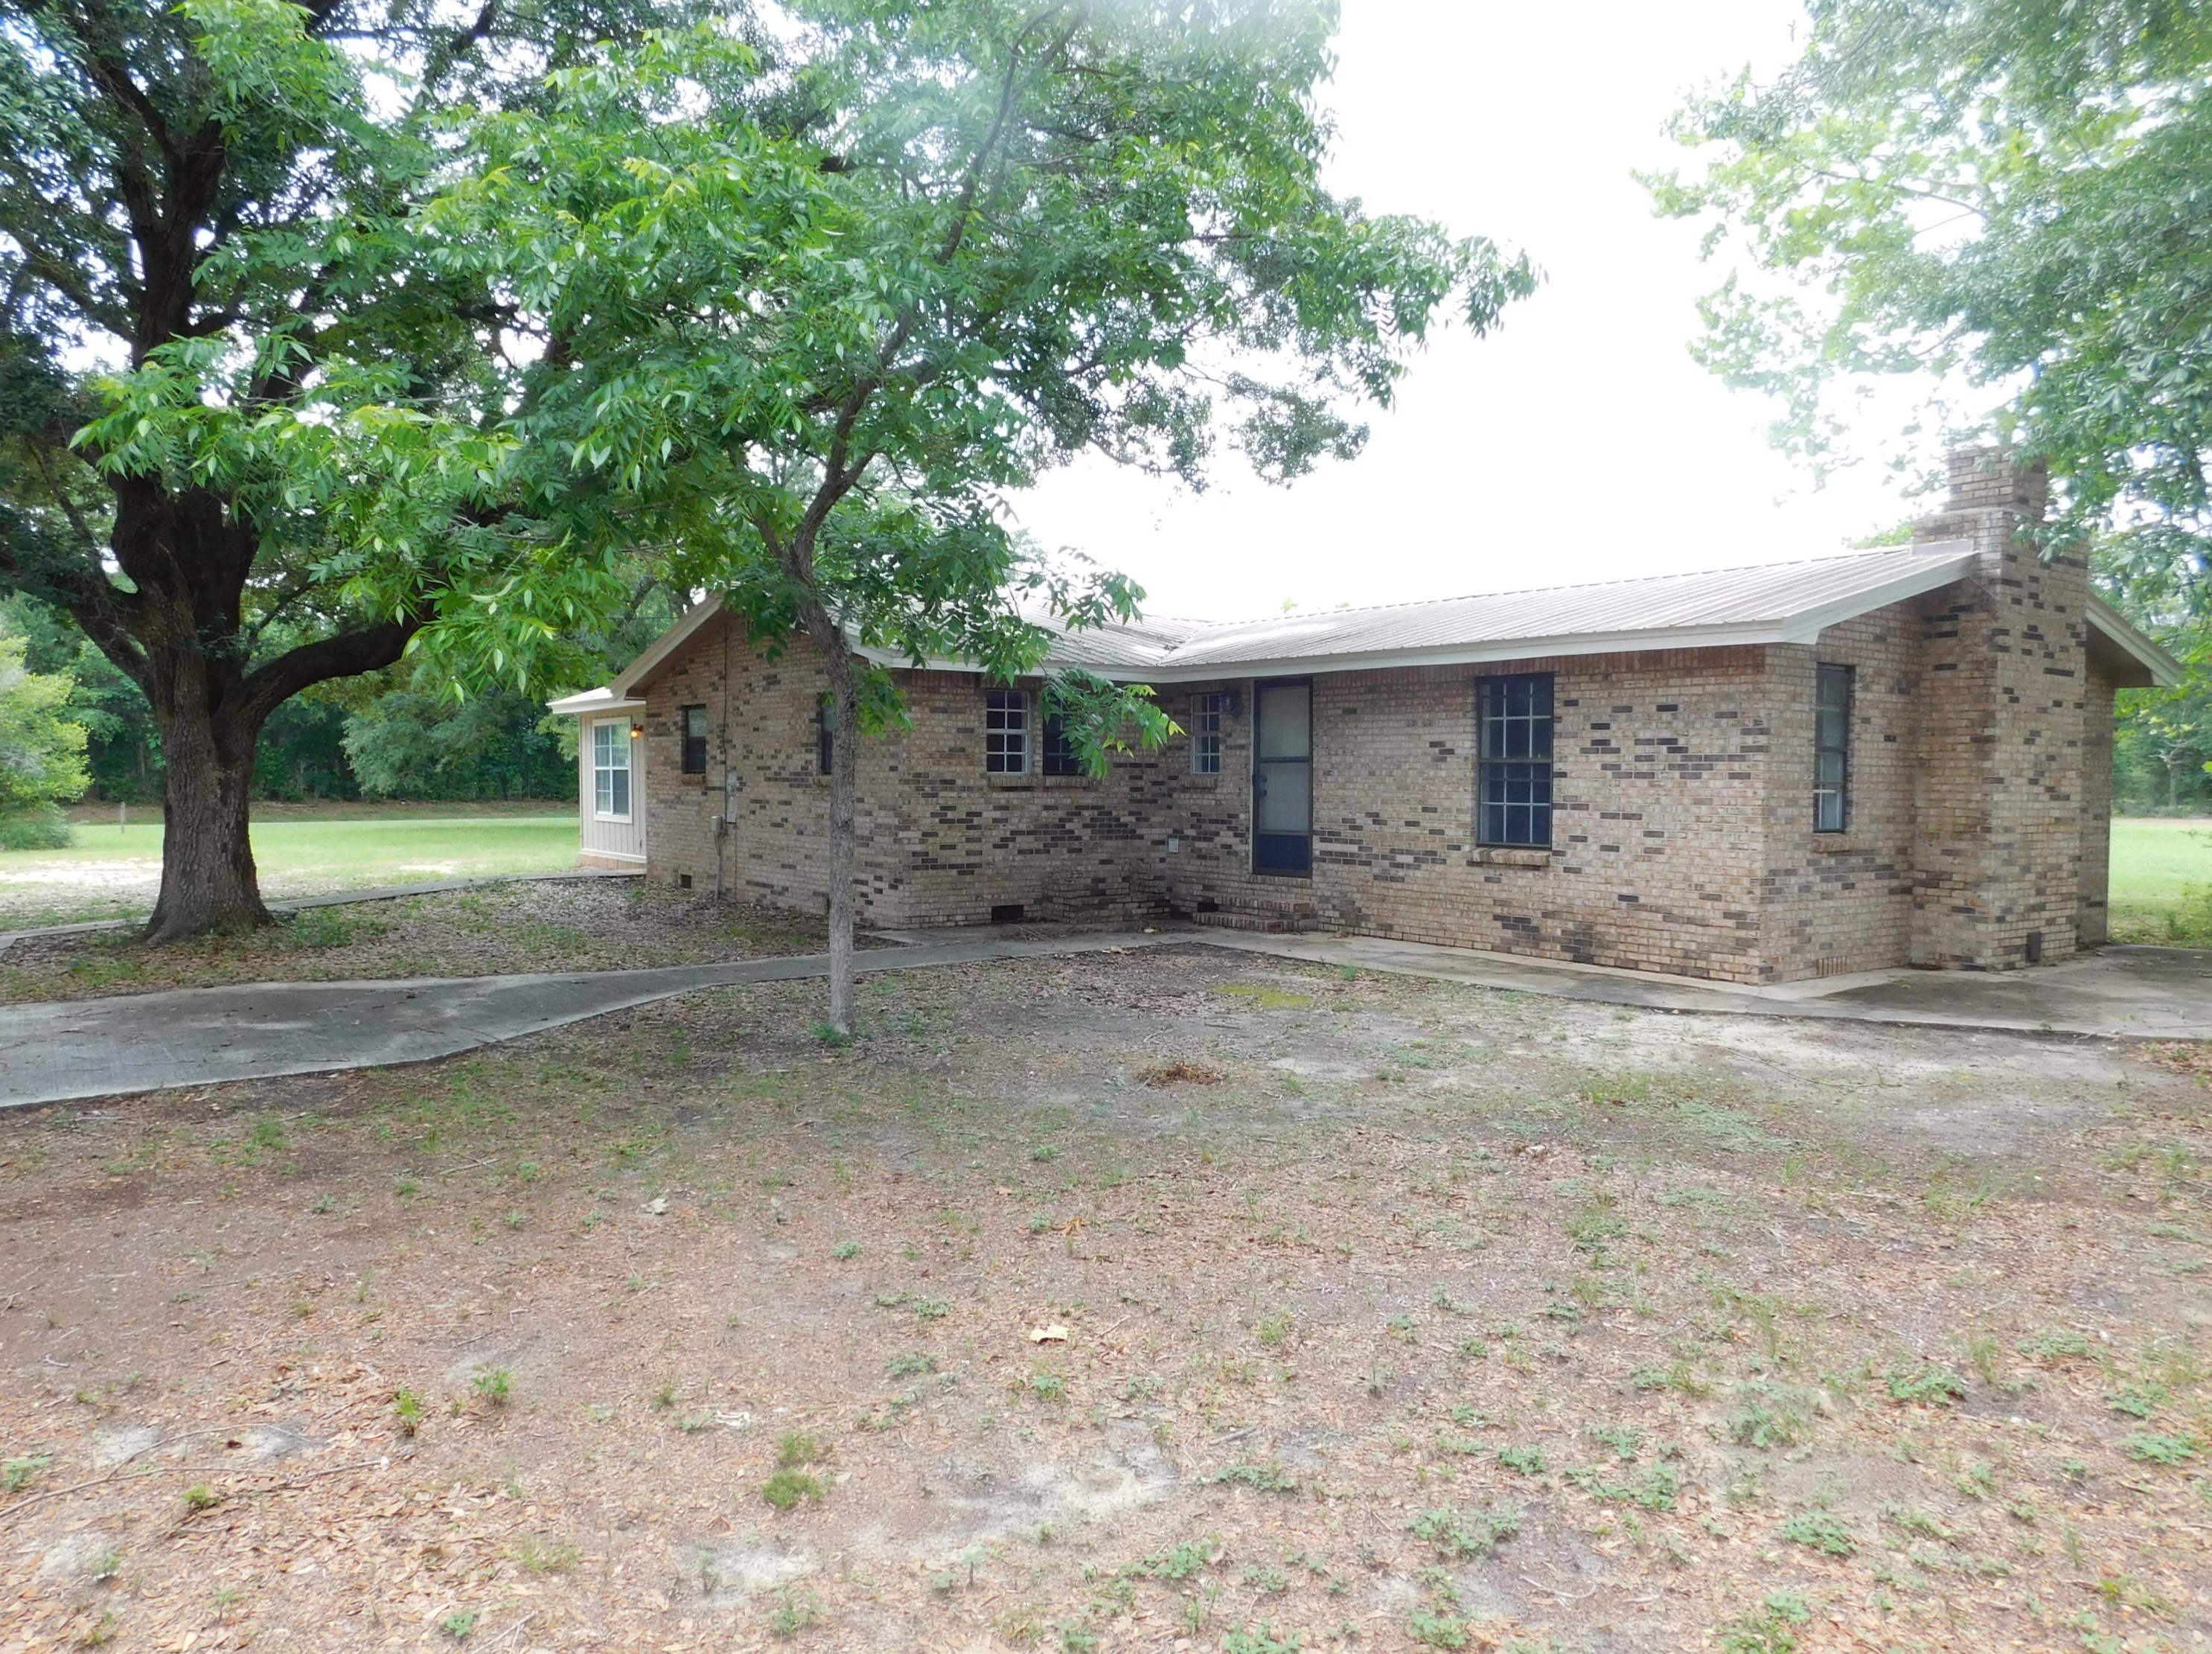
(1285, 722)
(1006, 733)
(1515, 786)
(1832, 747)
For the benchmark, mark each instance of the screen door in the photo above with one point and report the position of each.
(1282, 779)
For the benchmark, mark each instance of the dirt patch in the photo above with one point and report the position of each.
(591, 924)
(1447, 1318)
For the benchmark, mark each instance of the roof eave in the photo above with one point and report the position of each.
(601, 699)
(635, 674)
(2165, 670)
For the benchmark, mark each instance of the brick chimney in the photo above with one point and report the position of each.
(2001, 875)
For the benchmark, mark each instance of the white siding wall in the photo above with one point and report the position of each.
(606, 840)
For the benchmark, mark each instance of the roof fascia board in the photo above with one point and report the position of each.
(1706, 637)
(1807, 627)
(597, 700)
(666, 645)
(2165, 670)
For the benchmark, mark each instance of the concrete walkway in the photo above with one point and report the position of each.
(62, 1050)
(2115, 993)
(54, 1052)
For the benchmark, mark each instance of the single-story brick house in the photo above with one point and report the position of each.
(1756, 774)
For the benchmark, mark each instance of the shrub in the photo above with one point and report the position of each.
(41, 827)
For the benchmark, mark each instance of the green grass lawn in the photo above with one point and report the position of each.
(2162, 880)
(111, 871)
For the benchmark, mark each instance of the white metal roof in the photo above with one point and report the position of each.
(1765, 603)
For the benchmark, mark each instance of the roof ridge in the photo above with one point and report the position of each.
(1570, 586)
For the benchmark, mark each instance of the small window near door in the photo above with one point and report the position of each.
(1513, 808)
(1832, 750)
(695, 740)
(825, 733)
(1057, 752)
(1207, 715)
(1006, 733)
(611, 769)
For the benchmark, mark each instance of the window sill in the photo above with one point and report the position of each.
(1501, 855)
(1023, 783)
(1839, 844)
(613, 821)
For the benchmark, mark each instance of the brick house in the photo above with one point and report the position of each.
(1754, 775)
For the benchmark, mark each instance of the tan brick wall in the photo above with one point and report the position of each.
(1659, 760)
(1683, 839)
(1837, 902)
(940, 843)
(2097, 734)
(2003, 799)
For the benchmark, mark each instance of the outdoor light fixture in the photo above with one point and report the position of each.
(638, 732)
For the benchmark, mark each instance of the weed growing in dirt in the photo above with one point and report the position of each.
(494, 1386)
(1925, 1384)
(845, 1250)
(16, 1475)
(1528, 1461)
(793, 1610)
(200, 1496)
(1768, 1415)
(460, 1625)
(1262, 1640)
(407, 1411)
(912, 1363)
(1274, 1328)
(1819, 1530)
(1767, 1630)
(1180, 1562)
(785, 1488)
(1260, 1477)
(2155, 1447)
(1457, 1535)
(1439, 1621)
(539, 1553)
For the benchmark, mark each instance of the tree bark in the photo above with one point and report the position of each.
(209, 881)
(844, 790)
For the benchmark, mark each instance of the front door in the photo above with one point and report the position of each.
(1282, 779)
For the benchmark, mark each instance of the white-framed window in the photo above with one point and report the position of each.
(1206, 719)
(611, 769)
(1006, 733)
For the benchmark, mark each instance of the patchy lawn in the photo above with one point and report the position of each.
(2161, 889)
(110, 872)
(1396, 1314)
(585, 924)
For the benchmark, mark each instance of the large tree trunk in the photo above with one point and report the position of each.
(208, 877)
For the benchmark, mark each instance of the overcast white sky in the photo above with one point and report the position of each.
(1577, 442)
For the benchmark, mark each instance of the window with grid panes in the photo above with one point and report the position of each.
(1006, 733)
(1514, 806)
(1205, 720)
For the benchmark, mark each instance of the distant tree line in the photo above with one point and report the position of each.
(395, 734)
